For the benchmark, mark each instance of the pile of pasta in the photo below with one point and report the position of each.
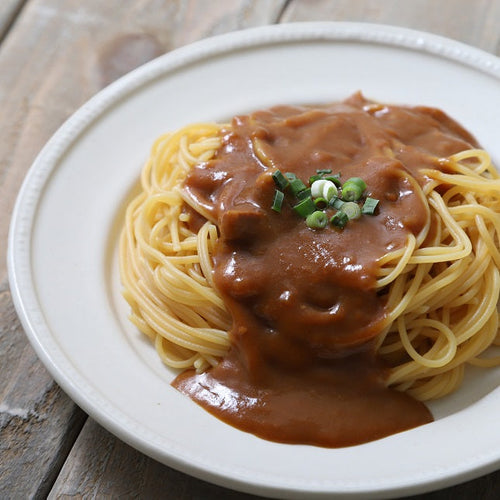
(442, 287)
(445, 284)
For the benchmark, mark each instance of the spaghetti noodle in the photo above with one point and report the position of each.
(438, 281)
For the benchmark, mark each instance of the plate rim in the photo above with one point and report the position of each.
(19, 253)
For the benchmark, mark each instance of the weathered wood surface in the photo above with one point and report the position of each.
(476, 23)
(57, 54)
(9, 9)
(54, 55)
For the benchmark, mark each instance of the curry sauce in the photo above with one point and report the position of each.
(302, 367)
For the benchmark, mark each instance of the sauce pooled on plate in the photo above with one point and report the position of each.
(302, 367)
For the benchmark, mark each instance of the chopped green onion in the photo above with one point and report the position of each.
(296, 185)
(351, 209)
(357, 180)
(339, 219)
(305, 207)
(369, 206)
(304, 194)
(280, 180)
(314, 178)
(323, 189)
(351, 192)
(353, 188)
(329, 190)
(317, 188)
(336, 202)
(320, 202)
(278, 201)
(334, 178)
(317, 220)
(322, 194)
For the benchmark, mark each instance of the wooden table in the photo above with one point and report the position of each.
(54, 55)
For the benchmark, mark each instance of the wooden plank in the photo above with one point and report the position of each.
(101, 466)
(475, 23)
(57, 54)
(62, 52)
(115, 470)
(8, 12)
(38, 422)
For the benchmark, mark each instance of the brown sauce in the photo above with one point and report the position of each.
(302, 367)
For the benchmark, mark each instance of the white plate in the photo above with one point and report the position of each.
(63, 269)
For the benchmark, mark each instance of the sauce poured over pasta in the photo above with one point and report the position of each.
(306, 311)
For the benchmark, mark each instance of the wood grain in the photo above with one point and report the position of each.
(61, 52)
(476, 23)
(9, 9)
(38, 422)
(54, 55)
(102, 466)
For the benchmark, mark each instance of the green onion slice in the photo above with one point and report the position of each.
(369, 206)
(323, 189)
(339, 219)
(296, 185)
(336, 202)
(351, 192)
(351, 209)
(280, 180)
(320, 202)
(279, 196)
(353, 189)
(306, 193)
(314, 178)
(324, 171)
(305, 207)
(317, 220)
(334, 179)
(358, 181)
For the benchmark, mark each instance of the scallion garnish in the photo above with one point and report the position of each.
(296, 185)
(280, 180)
(339, 219)
(353, 189)
(351, 209)
(279, 196)
(315, 202)
(334, 178)
(305, 207)
(303, 194)
(369, 206)
(323, 189)
(336, 202)
(317, 220)
(320, 202)
(314, 178)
